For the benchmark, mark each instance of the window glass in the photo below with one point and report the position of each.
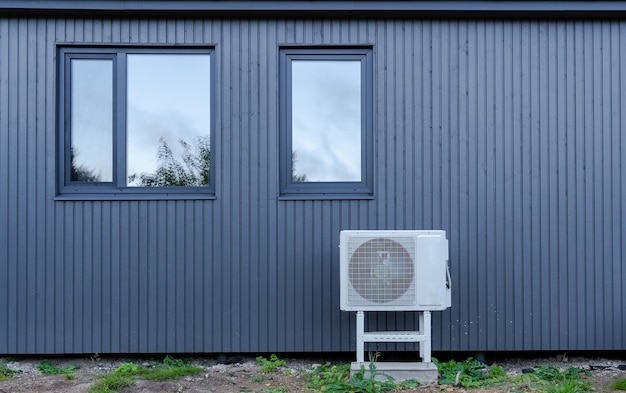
(91, 120)
(326, 120)
(168, 120)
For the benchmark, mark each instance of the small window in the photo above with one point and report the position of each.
(326, 123)
(135, 121)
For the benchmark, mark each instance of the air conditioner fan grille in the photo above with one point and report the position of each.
(381, 271)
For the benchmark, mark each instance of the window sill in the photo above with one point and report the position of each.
(134, 197)
(329, 196)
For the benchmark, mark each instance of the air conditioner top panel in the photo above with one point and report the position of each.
(391, 232)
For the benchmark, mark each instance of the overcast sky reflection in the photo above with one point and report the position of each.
(92, 116)
(168, 97)
(326, 119)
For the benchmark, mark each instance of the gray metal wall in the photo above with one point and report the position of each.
(507, 134)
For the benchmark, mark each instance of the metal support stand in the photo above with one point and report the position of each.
(422, 336)
(424, 371)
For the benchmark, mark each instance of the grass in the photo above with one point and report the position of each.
(169, 369)
(48, 368)
(6, 373)
(336, 378)
(121, 377)
(126, 374)
(549, 379)
(281, 389)
(620, 384)
(257, 378)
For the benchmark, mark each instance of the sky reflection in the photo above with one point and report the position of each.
(92, 117)
(326, 119)
(169, 98)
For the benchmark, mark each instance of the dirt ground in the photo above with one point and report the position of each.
(245, 375)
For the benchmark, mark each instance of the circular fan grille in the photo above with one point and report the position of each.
(381, 270)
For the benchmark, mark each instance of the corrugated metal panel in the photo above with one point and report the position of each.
(507, 134)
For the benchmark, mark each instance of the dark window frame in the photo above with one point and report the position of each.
(290, 189)
(117, 189)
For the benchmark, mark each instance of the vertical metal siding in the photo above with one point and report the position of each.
(507, 134)
(4, 174)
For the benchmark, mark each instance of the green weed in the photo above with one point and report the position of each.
(325, 375)
(470, 373)
(127, 369)
(270, 365)
(336, 379)
(5, 372)
(361, 384)
(620, 384)
(550, 379)
(48, 368)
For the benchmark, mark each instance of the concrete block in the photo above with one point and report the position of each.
(425, 373)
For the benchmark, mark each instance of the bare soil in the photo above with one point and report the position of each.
(246, 376)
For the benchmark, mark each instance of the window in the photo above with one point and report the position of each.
(326, 123)
(135, 121)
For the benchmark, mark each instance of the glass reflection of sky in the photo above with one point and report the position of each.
(92, 117)
(168, 97)
(326, 119)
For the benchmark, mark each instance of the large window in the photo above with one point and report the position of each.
(135, 122)
(326, 123)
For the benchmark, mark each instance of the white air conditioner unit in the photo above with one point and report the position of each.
(394, 271)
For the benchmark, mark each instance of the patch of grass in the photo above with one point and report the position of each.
(121, 377)
(126, 374)
(48, 368)
(169, 369)
(409, 384)
(550, 379)
(270, 365)
(281, 389)
(257, 378)
(470, 373)
(6, 373)
(620, 384)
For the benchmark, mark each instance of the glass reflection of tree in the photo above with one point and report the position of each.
(193, 171)
(80, 172)
(294, 176)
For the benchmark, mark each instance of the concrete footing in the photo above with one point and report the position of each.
(425, 373)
